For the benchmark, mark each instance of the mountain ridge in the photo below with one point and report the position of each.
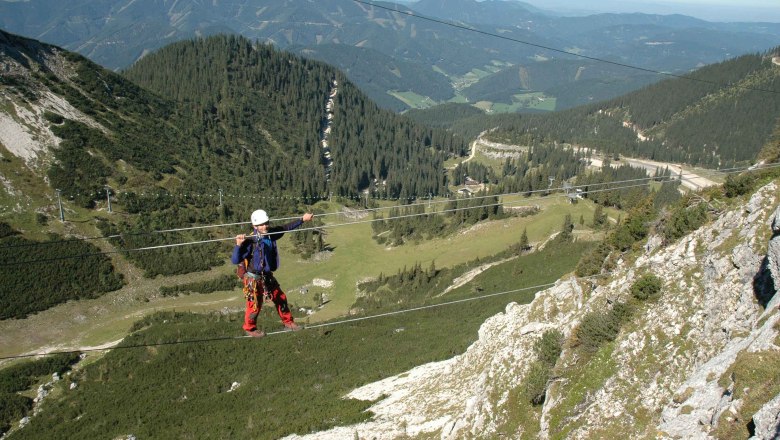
(109, 30)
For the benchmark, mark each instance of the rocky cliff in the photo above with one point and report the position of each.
(699, 360)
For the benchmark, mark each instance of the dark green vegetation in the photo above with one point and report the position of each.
(445, 115)
(547, 350)
(530, 172)
(646, 287)
(571, 82)
(600, 327)
(31, 283)
(20, 377)
(683, 119)
(228, 115)
(257, 114)
(746, 183)
(134, 234)
(409, 224)
(686, 216)
(236, 116)
(361, 64)
(600, 187)
(224, 282)
(289, 383)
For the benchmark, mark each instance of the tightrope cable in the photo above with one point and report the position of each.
(308, 327)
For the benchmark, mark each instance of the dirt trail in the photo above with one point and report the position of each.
(470, 275)
(689, 178)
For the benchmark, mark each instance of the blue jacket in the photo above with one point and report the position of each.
(261, 252)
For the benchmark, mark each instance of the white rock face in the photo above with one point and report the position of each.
(321, 282)
(24, 132)
(667, 363)
(767, 420)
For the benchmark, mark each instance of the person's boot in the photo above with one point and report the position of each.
(255, 333)
(292, 326)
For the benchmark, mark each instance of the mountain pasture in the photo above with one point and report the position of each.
(355, 257)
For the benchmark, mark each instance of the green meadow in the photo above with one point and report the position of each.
(355, 257)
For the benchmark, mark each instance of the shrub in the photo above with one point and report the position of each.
(52, 117)
(598, 328)
(592, 262)
(535, 384)
(633, 229)
(548, 349)
(6, 230)
(12, 407)
(223, 282)
(646, 287)
(683, 220)
(19, 377)
(738, 185)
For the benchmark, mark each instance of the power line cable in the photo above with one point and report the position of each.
(553, 49)
(381, 208)
(330, 226)
(314, 228)
(326, 324)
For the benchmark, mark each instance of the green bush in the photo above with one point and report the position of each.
(592, 262)
(19, 377)
(6, 230)
(30, 285)
(52, 117)
(646, 287)
(634, 228)
(683, 220)
(535, 384)
(548, 349)
(223, 282)
(738, 185)
(598, 328)
(12, 408)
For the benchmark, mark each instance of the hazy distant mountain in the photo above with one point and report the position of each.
(116, 33)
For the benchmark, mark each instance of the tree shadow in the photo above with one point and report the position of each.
(763, 285)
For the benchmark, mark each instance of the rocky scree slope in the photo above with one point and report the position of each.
(24, 131)
(668, 374)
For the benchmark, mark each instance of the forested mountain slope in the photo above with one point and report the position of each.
(230, 116)
(242, 93)
(719, 116)
(231, 111)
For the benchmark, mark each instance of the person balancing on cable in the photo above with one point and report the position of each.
(257, 258)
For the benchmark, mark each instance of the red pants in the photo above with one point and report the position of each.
(254, 302)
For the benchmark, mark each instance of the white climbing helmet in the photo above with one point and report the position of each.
(259, 217)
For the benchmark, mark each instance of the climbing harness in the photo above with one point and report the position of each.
(256, 281)
(253, 281)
